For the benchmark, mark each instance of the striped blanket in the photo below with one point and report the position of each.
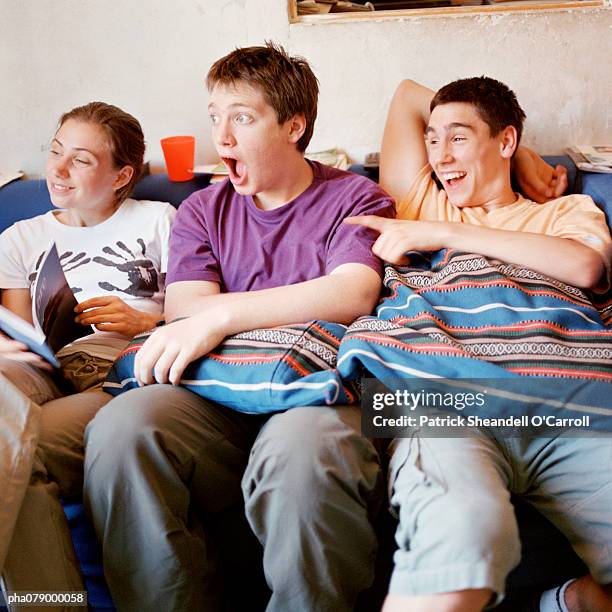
(449, 315)
(261, 371)
(455, 315)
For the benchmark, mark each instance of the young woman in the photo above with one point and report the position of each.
(114, 251)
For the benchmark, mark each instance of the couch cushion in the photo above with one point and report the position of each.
(22, 200)
(160, 188)
(89, 555)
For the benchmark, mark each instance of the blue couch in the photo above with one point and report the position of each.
(547, 556)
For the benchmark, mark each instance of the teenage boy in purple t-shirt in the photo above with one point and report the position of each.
(267, 247)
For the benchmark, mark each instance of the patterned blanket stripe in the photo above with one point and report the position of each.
(524, 329)
(413, 344)
(445, 275)
(591, 374)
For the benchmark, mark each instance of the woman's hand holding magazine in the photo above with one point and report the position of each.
(12, 349)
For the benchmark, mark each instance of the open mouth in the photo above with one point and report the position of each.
(236, 169)
(452, 180)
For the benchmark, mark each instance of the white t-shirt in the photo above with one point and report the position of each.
(125, 256)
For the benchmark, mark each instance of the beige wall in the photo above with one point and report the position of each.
(150, 57)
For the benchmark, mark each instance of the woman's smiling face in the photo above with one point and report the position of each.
(80, 172)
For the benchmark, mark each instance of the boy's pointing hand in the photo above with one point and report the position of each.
(378, 224)
(399, 236)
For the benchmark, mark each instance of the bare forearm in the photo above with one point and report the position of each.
(179, 307)
(337, 297)
(418, 98)
(562, 258)
(18, 301)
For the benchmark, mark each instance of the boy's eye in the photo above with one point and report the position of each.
(432, 141)
(81, 162)
(243, 118)
(214, 119)
(458, 138)
(54, 152)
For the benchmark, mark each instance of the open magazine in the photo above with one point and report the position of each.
(53, 313)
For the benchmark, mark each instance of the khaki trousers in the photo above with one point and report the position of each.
(163, 465)
(47, 454)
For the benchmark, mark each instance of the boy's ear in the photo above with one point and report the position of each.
(508, 142)
(124, 177)
(297, 127)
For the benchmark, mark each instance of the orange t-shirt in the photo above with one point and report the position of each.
(573, 216)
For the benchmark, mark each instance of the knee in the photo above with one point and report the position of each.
(13, 384)
(64, 419)
(304, 437)
(480, 527)
(318, 430)
(486, 523)
(121, 426)
(19, 414)
(11, 369)
(114, 420)
(21, 381)
(311, 447)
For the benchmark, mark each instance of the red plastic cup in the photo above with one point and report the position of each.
(179, 153)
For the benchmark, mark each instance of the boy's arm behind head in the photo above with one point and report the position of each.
(536, 179)
(403, 153)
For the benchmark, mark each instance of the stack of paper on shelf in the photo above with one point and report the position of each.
(592, 158)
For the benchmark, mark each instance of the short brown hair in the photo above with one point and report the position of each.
(124, 134)
(495, 102)
(288, 83)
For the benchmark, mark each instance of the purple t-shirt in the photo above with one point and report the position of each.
(221, 236)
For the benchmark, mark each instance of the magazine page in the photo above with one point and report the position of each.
(53, 304)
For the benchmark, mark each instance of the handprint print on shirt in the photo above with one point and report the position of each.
(141, 272)
(74, 262)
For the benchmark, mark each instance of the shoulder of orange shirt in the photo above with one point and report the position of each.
(330, 157)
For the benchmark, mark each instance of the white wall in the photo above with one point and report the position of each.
(151, 56)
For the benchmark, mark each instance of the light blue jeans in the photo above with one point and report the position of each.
(457, 527)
